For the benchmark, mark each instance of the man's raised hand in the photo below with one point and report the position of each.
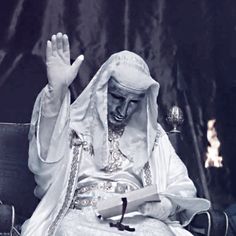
(59, 70)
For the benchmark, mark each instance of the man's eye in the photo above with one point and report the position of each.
(116, 96)
(134, 101)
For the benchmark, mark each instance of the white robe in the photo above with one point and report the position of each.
(57, 176)
(154, 158)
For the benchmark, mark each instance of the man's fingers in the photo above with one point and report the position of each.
(66, 49)
(54, 44)
(142, 208)
(145, 208)
(77, 63)
(66, 45)
(59, 43)
(48, 50)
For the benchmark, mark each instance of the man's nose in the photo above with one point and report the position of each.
(123, 108)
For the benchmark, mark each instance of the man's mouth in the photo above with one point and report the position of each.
(118, 118)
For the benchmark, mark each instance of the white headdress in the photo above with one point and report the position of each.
(89, 111)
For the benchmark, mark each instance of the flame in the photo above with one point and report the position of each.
(213, 158)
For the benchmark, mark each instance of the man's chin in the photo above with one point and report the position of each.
(116, 125)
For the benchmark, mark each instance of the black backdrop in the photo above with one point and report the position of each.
(189, 45)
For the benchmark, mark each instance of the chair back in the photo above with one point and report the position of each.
(16, 181)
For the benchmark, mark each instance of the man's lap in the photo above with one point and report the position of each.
(85, 222)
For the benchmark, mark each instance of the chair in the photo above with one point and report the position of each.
(16, 181)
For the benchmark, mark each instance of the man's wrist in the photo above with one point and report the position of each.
(56, 89)
(52, 100)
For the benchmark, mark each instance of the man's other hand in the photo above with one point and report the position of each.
(159, 210)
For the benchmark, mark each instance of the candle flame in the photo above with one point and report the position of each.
(213, 157)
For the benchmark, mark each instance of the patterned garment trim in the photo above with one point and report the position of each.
(147, 174)
(160, 133)
(71, 183)
(147, 169)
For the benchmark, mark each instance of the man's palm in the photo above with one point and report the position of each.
(59, 70)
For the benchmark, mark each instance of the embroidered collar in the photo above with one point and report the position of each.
(115, 133)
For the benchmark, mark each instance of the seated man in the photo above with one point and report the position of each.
(107, 139)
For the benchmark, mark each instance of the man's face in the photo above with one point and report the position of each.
(122, 103)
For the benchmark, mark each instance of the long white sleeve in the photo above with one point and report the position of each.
(45, 167)
(171, 177)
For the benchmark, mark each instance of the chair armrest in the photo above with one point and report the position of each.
(8, 221)
(210, 223)
(7, 218)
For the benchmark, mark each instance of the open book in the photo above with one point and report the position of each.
(113, 206)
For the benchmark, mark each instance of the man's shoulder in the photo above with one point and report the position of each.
(160, 132)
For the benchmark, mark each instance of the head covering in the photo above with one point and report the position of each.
(89, 111)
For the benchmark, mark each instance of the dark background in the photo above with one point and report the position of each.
(189, 45)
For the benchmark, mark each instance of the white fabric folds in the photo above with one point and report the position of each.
(155, 161)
